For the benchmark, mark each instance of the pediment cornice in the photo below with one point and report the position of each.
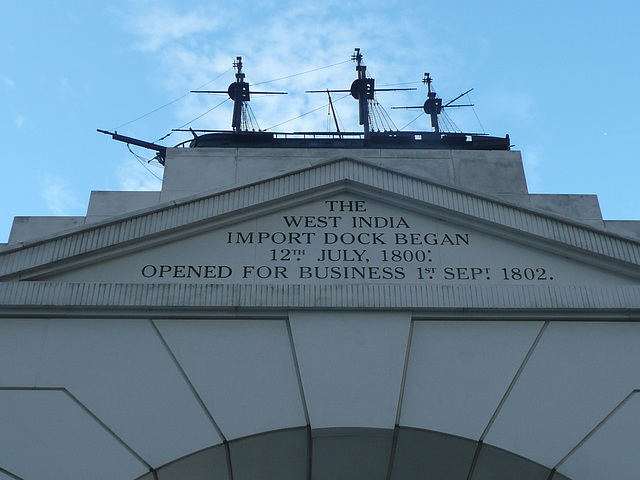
(153, 226)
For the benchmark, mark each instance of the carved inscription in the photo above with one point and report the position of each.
(350, 240)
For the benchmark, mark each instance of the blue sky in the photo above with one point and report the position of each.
(559, 77)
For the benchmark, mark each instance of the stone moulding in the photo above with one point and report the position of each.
(623, 302)
(204, 212)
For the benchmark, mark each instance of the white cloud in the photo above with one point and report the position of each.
(132, 176)
(57, 193)
(160, 24)
(276, 39)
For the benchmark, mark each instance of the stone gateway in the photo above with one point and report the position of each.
(351, 319)
(377, 306)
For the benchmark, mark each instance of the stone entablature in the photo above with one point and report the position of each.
(169, 222)
(192, 172)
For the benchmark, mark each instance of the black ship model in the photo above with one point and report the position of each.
(244, 134)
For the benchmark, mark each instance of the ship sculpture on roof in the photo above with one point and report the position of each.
(378, 129)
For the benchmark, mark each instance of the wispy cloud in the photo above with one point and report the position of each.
(57, 193)
(132, 176)
(195, 44)
(161, 24)
(7, 83)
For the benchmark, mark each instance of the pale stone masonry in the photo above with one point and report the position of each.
(323, 314)
(188, 172)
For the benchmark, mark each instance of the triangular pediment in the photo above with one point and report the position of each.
(344, 221)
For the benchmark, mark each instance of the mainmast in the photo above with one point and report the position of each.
(362, 89)
(433, 105)
(239, 93)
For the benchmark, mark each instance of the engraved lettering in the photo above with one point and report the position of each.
(431, 238)
(311, 221)
(329, 255)
(379, 222)
(346, 205)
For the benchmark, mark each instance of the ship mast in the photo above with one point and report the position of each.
(240, 93)
(362, 89)
(433, 104)
(378, 127)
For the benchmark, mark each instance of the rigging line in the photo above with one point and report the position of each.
(302, 73)
(304, 114)
(337, 120)
(380, 118)
(340, 121)
(172, 102)
(386, 117)
(250, 118)
(373, 124)
(374, 115)
(138, 157)
(396, 84)
(474, 112)
(371, 112)
(329, 118)
(419, 115)
(146, 160)
(453, 128)
(200, 116)
(142, 163)
(162, 138)
(444, 123)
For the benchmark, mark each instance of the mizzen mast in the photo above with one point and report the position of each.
(433, 104)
